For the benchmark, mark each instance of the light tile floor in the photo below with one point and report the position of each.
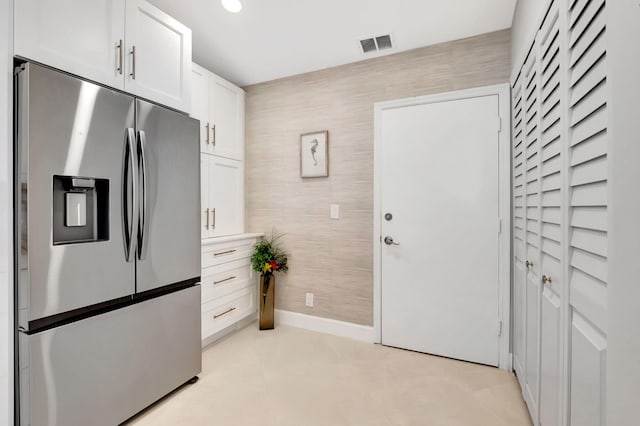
(295, 377)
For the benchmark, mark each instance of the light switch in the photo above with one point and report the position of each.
(335, 211)
(76, 204)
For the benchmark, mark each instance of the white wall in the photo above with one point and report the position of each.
(6, 156)
(623, 354)
(526, 19)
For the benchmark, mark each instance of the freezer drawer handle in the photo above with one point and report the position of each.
(220, 253)
(232, 277)
(224, 313)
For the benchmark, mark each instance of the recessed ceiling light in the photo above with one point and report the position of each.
(233, 6)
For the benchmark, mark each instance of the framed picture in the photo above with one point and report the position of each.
(314, 154)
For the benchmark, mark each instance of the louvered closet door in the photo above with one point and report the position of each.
(519, 231)
(552, 213)
(532, 238)
(588, 215)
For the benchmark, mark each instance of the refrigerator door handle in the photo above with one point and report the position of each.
(129, 201)
(143, 230)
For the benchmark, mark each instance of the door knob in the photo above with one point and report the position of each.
(546, 279)
(528, 264)
(389, 241)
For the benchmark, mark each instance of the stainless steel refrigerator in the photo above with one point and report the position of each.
(107, 189)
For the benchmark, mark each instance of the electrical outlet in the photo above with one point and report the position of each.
(309, 301)
(335, 211)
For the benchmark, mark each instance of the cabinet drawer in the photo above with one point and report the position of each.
(228, 310)
(218, 281)
(217, 254)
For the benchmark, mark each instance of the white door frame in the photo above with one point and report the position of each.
(503, 91)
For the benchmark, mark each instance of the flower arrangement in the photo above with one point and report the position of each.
(268, 258)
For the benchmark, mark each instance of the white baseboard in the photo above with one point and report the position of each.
(350, 330)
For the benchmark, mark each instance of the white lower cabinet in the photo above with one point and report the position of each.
(228, 284)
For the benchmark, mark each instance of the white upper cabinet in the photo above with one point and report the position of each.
(158, 56)
(80, 37)
(125, 44)
(200, 103)
(219, 105)
(227, 108)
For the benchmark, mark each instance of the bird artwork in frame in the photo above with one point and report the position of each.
(314, 154)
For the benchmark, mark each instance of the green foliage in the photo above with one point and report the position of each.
(267, 257)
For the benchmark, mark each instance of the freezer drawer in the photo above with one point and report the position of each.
(104, 369)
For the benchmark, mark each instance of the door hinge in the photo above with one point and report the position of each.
(499, 328)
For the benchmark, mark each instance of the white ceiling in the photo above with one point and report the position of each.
(270, 39)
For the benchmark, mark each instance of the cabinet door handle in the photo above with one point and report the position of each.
(220, 253)
(213, 128)
(546, 280)
(207, 133)
(232, 277)
(133, 62)
(213, 224)
(207, 213)
(224, 313)
(119, 47)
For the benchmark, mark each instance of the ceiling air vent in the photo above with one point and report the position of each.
(375, 44)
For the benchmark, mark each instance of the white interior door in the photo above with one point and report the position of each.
(552, 225)
(440, 184)
(518, 191)
(532, 174)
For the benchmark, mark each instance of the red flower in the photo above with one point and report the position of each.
(274, 265)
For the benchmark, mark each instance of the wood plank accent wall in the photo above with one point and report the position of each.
(333, 258)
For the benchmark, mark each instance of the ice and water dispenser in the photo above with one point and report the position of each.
(80, 209)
